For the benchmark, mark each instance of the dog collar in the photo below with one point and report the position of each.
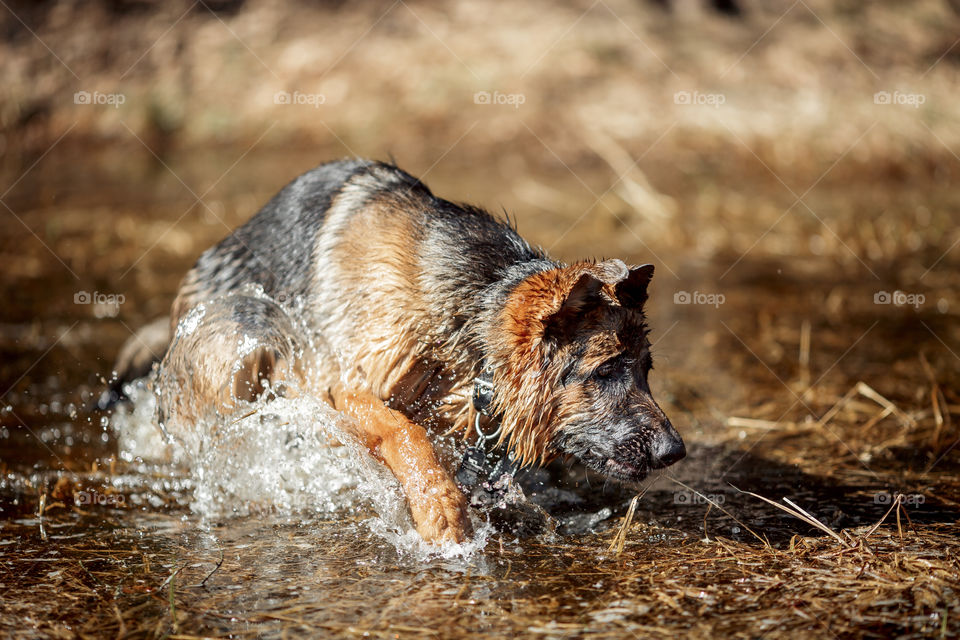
(483, 390)
(479, 462)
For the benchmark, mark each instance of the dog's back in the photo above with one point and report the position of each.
(274, 248)
(390, 281)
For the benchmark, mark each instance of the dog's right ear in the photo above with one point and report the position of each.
(632, 291)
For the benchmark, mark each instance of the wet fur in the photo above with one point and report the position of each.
(370, 292)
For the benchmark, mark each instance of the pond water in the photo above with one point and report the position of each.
(284, 534)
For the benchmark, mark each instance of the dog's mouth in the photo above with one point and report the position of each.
(624, 470)
(631, 471)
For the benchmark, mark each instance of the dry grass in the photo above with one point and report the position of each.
(273, 579)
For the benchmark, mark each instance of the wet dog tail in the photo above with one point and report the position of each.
(135, 360)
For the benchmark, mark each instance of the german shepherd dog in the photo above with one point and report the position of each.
(357, 285)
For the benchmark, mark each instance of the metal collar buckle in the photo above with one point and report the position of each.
(477, 461)
(483, 391)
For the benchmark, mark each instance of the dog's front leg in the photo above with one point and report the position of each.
(436, 504)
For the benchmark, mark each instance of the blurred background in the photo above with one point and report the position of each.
(789, 166)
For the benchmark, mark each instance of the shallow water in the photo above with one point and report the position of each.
(281, 533)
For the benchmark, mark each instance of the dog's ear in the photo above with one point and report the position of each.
(549, 304)
(569, 304)
(579, 288)
(632, 291)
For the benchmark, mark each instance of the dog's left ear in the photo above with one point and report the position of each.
(632, 291)
(590, 278)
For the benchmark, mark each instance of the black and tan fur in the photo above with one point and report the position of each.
(358, 285)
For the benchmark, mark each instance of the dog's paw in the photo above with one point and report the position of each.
(441, 515)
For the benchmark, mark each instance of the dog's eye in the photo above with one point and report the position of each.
(604, 371)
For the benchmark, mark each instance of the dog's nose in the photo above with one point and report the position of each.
(667, 448)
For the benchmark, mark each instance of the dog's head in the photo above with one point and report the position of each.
(573, 370)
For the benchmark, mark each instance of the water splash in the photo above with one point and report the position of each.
(288, 455)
